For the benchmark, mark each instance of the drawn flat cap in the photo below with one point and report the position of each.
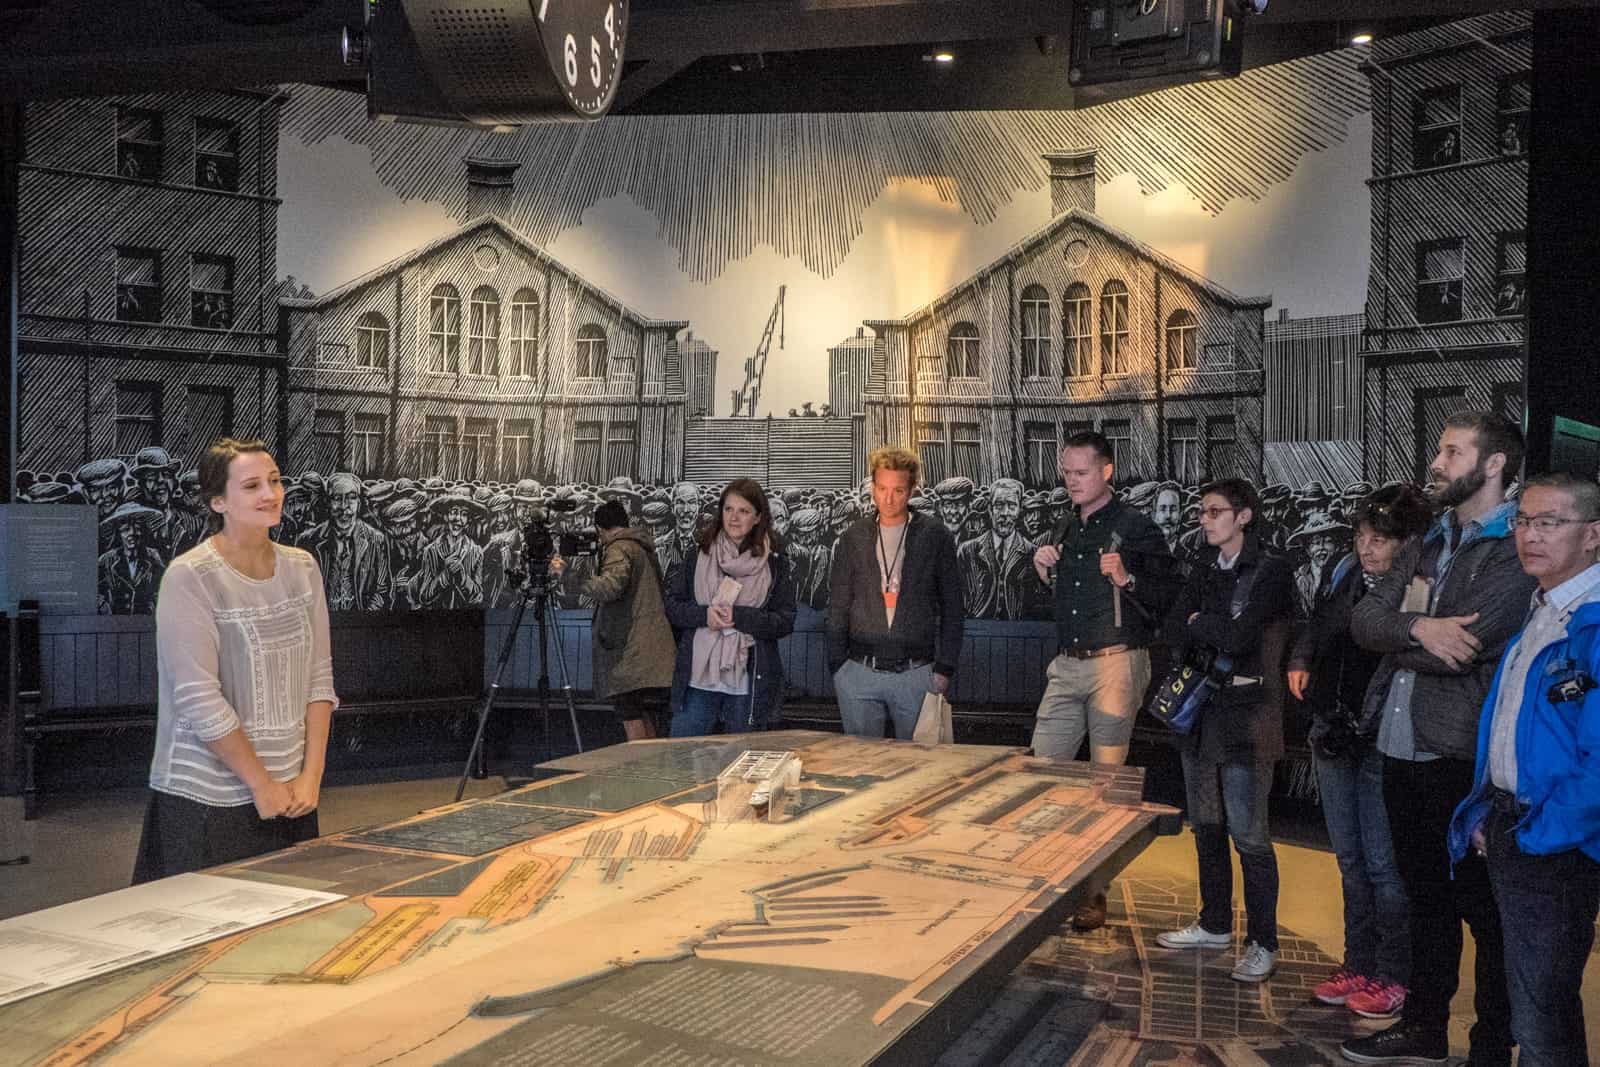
(99, 472)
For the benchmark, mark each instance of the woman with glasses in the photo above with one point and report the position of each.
(1234, 616)
(1329, 672)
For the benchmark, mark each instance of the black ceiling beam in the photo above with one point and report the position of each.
(89, 47)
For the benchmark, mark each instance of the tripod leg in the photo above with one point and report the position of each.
(475, 761)
(566, 679)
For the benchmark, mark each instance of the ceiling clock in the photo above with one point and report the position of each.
(493, 63)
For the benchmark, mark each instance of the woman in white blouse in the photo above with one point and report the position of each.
(246, 681)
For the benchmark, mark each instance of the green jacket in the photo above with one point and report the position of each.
(633, 646)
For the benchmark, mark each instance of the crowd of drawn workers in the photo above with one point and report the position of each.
(438, 543)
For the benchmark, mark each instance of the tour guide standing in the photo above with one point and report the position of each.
(896, 606)
(1112, 576)
(1534, 813)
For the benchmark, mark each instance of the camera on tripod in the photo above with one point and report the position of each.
(540, 542)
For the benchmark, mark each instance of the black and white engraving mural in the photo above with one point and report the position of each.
(1292, 276)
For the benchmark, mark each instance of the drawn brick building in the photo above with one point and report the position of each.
(1078, 326)
(147, 318)
(479, 357)
(1446, 298)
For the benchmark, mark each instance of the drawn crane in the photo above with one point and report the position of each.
(745, 398)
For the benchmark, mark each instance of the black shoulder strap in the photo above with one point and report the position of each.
(1059, 532)
(1242, 586)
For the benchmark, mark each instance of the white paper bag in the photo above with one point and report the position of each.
(933, 722)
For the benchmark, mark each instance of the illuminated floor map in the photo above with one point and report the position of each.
(597, 917)
(1114, 998)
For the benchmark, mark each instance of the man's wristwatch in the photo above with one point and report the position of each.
(1132, 579)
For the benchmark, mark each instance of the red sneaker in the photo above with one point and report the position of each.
(1338, 986)
(1378, 999)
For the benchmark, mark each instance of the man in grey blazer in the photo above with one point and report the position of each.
(895, 606)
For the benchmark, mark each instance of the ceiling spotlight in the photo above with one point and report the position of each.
(944, 56)
(1361, 38)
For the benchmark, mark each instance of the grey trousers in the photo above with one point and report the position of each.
(866, 696)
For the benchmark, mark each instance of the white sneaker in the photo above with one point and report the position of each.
(1193, 936)
(1255, 964)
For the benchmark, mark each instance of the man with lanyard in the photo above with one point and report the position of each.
(1534, 814)
(1441, 617)
(1112, 577)
(895, 606)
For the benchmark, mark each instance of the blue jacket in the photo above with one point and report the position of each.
(1558, 753)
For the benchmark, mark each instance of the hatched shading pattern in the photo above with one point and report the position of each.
(801, 184)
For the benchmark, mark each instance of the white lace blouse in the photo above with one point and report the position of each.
(237, 653)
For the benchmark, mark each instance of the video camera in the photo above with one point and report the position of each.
(540, 543)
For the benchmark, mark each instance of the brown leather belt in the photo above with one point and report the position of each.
(1094, 653)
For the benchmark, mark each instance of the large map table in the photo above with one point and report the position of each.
(598, 917)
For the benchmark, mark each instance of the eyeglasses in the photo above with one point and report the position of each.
(1216, 513)
(1545, 523)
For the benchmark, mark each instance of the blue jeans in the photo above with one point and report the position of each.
(1377, 924)
(702, 710)
(866, 696)
(1547, 912)
(1230, 800)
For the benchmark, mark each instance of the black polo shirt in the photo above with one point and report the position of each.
(1084, 609)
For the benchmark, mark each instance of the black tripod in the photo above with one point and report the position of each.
(536, 592)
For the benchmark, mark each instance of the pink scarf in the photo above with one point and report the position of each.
(720, 659)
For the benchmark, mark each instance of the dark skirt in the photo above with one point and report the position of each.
(183, 835)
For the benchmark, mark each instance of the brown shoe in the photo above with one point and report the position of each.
(1092, 915)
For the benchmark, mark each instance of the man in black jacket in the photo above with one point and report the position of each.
(1107, 567)
(895, 606)
(1441, 617)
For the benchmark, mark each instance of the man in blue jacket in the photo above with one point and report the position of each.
(1534, 812)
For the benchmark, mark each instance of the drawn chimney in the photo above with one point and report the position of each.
(1071, 180)
(489, 186)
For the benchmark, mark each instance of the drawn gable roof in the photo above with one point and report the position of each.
(378, 274)
(1095, 222)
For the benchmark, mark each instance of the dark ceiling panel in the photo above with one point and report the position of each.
(797, 55)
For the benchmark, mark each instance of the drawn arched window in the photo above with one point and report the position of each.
(1035, 332)
(961, 351)
(372, 341)
(483, 334)
(1183, 340)
(524, 334)
(591, 352)
(1075, 331)
(444, 330)
(1114, 355)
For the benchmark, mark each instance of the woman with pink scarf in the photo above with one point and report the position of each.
(731, 602)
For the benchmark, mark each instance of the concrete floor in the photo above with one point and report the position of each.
(84, 843)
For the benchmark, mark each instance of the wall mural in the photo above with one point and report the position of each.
(438, 331)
